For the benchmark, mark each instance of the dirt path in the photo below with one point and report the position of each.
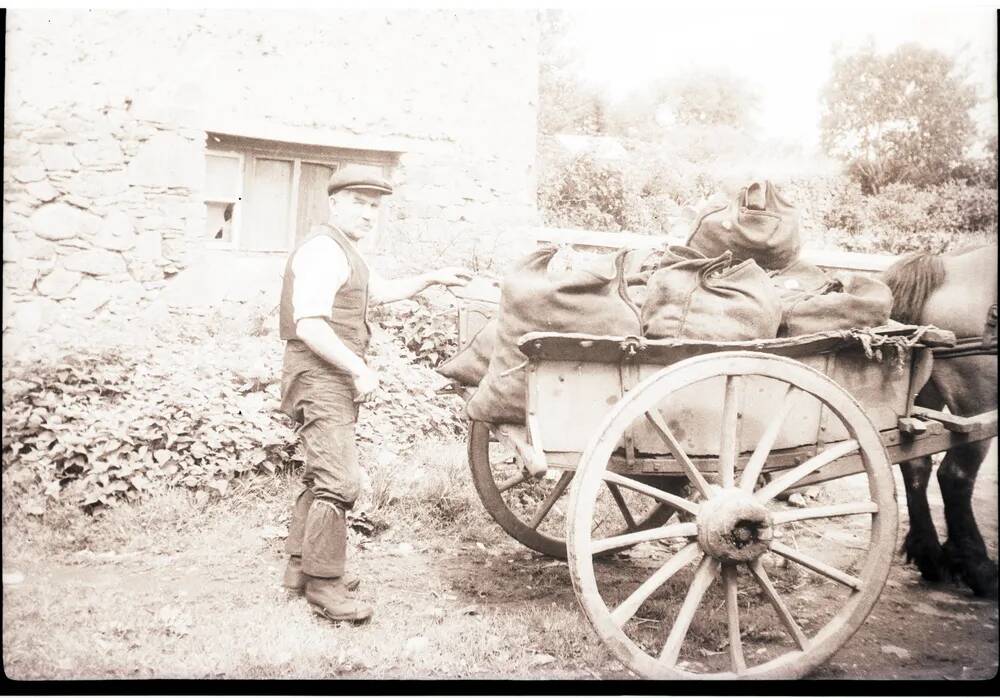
(212, 607)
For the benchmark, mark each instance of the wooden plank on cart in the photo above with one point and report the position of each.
(902, 447)
(951, 422)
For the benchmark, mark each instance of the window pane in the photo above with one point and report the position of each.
(218, 221)
(312, 205)
(222, 177)
(265, 214)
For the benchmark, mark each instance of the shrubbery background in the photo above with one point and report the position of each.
(646, 193)
(193, 403)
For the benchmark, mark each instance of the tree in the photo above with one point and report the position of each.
(899, 117)
(565, 105)
(709, 99)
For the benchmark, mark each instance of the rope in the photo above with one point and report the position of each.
(874, 344)
(514, 368)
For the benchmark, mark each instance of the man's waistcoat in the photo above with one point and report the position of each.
(350, 305)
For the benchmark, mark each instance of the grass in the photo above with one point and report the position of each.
(186, 586)
(127, 594)
(182, 586)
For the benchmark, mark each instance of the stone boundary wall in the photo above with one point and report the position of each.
(92, 219)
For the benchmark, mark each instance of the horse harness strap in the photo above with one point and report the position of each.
(973, 346)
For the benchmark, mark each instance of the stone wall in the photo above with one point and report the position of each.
(107, 114)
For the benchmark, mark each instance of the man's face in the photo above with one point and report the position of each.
(355, 211)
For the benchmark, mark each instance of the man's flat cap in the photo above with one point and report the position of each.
(356, 177)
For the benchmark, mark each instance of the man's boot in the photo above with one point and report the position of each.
(330, 599)
(295, 579)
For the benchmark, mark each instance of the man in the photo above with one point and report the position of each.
(325, 295)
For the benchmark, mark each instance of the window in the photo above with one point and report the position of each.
(223, 190)
(265, 196)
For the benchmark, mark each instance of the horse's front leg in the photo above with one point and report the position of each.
(964, 547)
(921, 545)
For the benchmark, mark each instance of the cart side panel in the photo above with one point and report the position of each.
(575, 396)
(881, 387)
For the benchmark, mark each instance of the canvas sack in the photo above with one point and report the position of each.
(468, 367)
(693, 296)
(757, 224)
(534, 299)
(845, 301)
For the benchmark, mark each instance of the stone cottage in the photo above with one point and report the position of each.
(179, 154)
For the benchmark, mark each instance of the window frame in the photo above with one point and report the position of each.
(248, 150)
(234, 225)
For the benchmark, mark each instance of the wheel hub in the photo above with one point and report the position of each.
(733, 527)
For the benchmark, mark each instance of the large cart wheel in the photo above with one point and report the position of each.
(752, 588)
(533, 511)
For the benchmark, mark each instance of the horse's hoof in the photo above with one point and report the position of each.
(929, 558)
(982, 579)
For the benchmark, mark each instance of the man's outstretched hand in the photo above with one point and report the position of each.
(451, 276)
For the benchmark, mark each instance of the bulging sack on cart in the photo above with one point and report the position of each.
(696, 297)
(801, 277)
(639, 266)
(844, 302)
(537, 299)
(757, 224)
(469, 366)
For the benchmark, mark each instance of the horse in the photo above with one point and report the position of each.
(957, 292)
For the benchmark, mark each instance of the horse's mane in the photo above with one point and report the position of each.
(912, 279)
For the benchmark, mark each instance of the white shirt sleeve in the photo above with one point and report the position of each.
(320, 268)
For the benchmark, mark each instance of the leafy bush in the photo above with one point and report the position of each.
(903, 218)
(101, 426)
(846, 210)
(584, 193)
(97, 427)
(641, 194)
(429, 331)
(406, 410)
(965, 209)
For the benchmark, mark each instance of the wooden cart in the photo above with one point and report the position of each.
(678, 457)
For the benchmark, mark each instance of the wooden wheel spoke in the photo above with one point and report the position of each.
(616, 493)
(678, 530)
(694, 475)
(846, 509)
(736, 658)
(629, 606)
(757, 570)
(654, 492)
(816, 566)
(707, 571)
(755, 465)
(790, 478)
(550, 499)
(729, 443)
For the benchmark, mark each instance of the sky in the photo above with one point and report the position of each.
(783, 51)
